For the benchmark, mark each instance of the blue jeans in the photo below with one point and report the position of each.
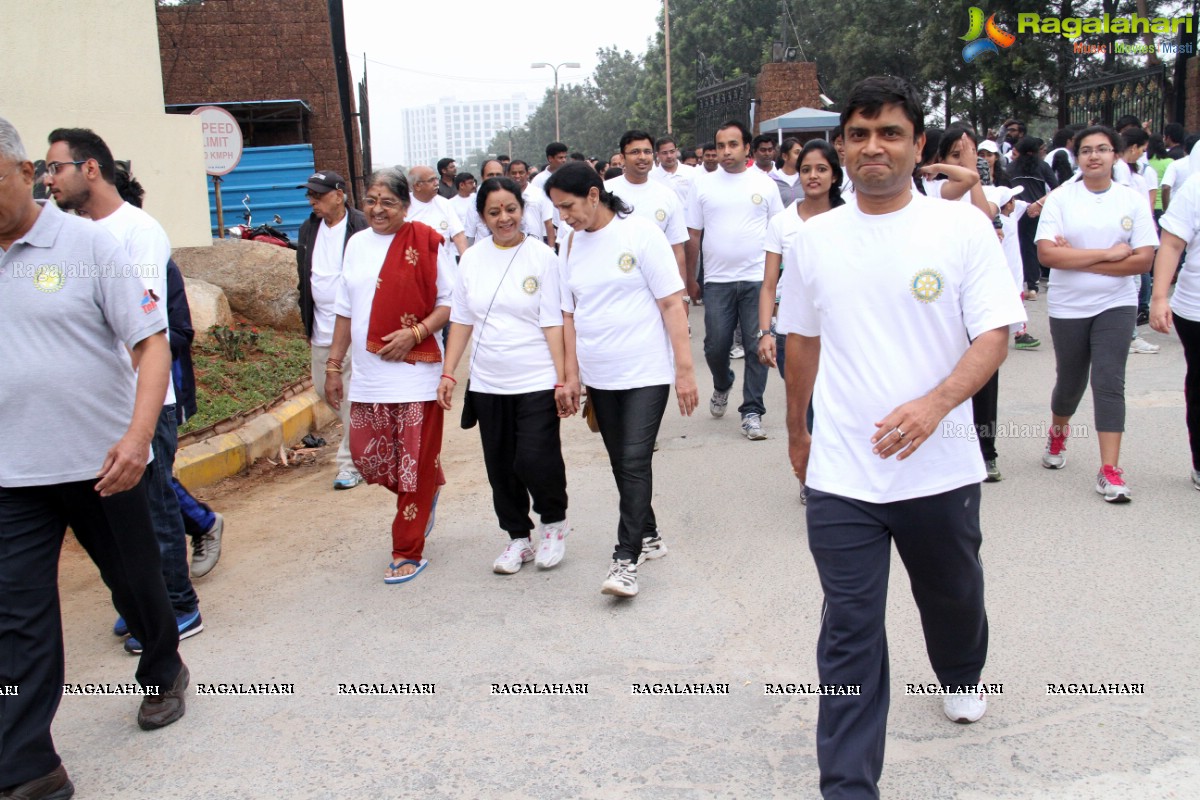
(727, 306)
(165, 515)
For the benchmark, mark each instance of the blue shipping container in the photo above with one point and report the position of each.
(270, 176)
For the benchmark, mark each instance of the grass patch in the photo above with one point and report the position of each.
(224, 388)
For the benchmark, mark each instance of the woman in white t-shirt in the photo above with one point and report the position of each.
(626, 338)
(507, 296)
(1180, 226)
(787, 171)
(820, 181)
(393, 298)
(1094, 234)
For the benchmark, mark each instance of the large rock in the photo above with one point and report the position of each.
(209, 306)
(259, 279)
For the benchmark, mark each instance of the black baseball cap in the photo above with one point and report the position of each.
(324, 182)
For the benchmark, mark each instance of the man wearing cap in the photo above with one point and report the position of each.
(323, 238)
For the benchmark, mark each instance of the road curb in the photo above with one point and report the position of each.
(227, 454)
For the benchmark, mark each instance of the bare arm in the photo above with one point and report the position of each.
(903, 430)
(1060, 255)
(681, 260)
(959, 179)
(550, 233)
(1170, 249)
(567, 397)
(126, 460)
(766, 307)
(691, 261)
(675, 320)
(460, 242)
(337, 352)
(460, 336)
(800, 373)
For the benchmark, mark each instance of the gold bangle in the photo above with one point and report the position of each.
(334, 371)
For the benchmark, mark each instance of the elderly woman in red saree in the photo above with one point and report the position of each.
(393, 297)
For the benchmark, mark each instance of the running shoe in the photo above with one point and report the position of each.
(553, 545)
(1110, 482)
(347, 479)
(964, 707)
(621, 580)
(993, 472)
(1196, 479)
(652, 547)
(189, 625)
(518, 552)
(1025, 341)
(1055, 454)
(1140, 345)
(716, 406)
(752, 427)
(206, 548)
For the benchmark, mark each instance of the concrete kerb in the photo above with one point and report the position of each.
(227, 454)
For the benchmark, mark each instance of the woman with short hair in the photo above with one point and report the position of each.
(507, 298)
(393, 297)
(626, 339)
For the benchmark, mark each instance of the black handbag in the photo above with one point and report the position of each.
(469, 418)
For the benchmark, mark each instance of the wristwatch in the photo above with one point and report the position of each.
(761, 333)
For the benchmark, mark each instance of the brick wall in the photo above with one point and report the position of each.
(239, 50)
(1191, 119)
(783, 87)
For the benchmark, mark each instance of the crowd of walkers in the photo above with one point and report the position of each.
(567, 291)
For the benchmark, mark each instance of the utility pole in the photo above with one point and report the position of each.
(667, 44)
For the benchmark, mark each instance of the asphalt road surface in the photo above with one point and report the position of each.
(1078, 592)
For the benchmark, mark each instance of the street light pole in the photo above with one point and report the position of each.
(572, 65)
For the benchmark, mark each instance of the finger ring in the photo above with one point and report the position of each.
(900, 431)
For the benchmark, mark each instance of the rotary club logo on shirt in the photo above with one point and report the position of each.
(756, 198)
(48, 278)
(927, 285)
(627, 261)
(1127, 223)
(530, 285)
(660, 215)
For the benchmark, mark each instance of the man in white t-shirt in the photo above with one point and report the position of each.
(464, 200)
(537, 219)
(556, 156)
(473, 226)
(319, 247)
(762, 150)
(731, 208)
(649, 199)
(1179, 171)
(80, 176)
(905, 302)
(427, 206)
(671, 170)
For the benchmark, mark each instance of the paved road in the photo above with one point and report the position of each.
(1078, 591)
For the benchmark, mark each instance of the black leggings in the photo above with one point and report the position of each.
(1189, 334)
(1097, 345)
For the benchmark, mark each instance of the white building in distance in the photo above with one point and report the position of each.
(455, 129)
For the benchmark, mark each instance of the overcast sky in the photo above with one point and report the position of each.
(422, 50)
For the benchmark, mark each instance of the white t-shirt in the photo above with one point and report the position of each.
(538, 211)
(680, 180)
(508, 353)
(1093, 221)
(1012, 242)
(1183, 220)
(781, 234)
(324, 278)
(463, 206)
(933, 188)
(439, 215)
(896, 299)
(654, 202)
(149, 251)
(733, 210)
(376, 380)
(539, 180)
(611, 281)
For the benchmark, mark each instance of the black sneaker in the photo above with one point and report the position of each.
(1143, 318)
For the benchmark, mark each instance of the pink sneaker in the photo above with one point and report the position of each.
(1111, 483)
(1055, 454)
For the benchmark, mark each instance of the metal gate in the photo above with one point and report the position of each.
(1107, 99)
(717, 103)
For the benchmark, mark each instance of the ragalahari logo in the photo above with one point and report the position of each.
(996, 36)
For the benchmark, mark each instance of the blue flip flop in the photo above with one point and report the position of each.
(432, 513)
(420, 565)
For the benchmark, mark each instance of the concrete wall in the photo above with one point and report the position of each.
(784, 87)
(236, 50)
(95, 64)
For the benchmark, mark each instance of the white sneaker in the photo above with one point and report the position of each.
(737, 351)
(1196, 479)
(553, 545)
(652, 547)
(517, 553)
(752, 427)
(718, 403)
(1140, 345)
(347, 479)
(1110, 482)
(964, 708)
(621, 580)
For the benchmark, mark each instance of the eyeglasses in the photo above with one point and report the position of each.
(1084, 152)
(389, 204)
(53, 167)
(6, 176)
